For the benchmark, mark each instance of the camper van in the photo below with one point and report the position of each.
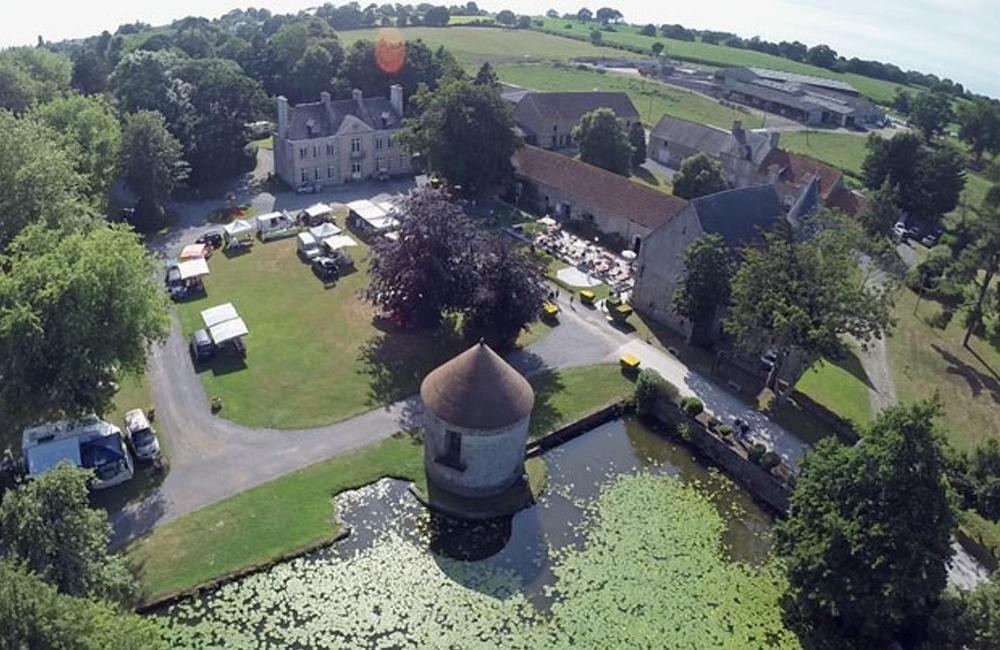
(90, 443)
(274, 225)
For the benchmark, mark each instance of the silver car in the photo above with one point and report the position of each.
(141, 436)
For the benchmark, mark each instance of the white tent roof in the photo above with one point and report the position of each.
(228, 330)
(193, 250)
(318, 210)
(388, 206)
(193, 268)
(238, 227)
(366, 210)
(384, 223)
(219, 314)
(306, 239)
(339, 241)
(324, 230)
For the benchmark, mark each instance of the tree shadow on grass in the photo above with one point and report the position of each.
(849, 362)
(545, 416)
(977, 381)
(396, 360)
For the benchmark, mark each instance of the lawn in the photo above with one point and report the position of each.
(842, 150)
(295, 512)
(653, 179)
(652, 98)
(722, 56)
(841, 387)
(265, 143)
(564, 396)
(472, 46)
(926, 360)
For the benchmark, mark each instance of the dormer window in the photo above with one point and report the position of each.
(311, 126)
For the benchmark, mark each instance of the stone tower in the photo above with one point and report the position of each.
(476, 428)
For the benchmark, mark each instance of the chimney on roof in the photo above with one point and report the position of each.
(357, 96)
(282, 104)
(738, 130)
(396, 98)
(774, 137)
(325, 98)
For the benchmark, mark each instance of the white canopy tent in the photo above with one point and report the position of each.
(324, 230)
(239, 230)
(223, 323)
(318, 210)
(218, 314)
(366, 210)
(193, 268)
(339, 241)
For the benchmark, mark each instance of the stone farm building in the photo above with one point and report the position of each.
(791, 174)
(739, 216)
(571, 190)
(331, 142)
(739, 151)
(547, 119)
(812, 100)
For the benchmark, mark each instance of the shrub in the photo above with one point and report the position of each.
(684, 431)
(647, 390)
(692, 406)
(725, 431)
(756, 453)
(769, 461)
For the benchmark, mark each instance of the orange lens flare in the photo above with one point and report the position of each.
(390, 51)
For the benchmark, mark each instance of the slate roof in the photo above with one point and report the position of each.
(739, 215)
(811, 80)
(713, 141)
(535, 107)
(797, 170)
(478, 390)
(316, 120)
(597, 189)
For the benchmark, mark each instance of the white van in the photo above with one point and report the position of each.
(274, 225)
(89, 442)
(308, 247)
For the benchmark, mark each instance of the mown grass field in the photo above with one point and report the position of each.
(844, 151)
(472, 46)
(256, 526)
(926, 360)
(722, 56)
(839, 386)
(651, 98)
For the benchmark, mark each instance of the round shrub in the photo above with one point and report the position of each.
(769, 461)
(725, 431)
(756, 453)
(692, 406)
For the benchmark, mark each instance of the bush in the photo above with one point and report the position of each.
(725, 431)
(769, 461)
(647, 390)
(684, 431)
(692, 406)
(756, 453)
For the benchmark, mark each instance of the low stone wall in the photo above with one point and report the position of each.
(572, 430)
(763, 485)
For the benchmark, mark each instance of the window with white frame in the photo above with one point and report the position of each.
(389, 142)
(329, 149)
(304, 176)
(329, 172)
(378, 143)
(303, 151)
(355, 145)
(356, 167)
(316, 174)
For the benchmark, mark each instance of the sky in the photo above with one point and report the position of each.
(959, 39)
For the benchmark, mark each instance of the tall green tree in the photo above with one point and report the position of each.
(979, 126)
(151, 165)
(869, 534)
(799, 298)
(881, 211)
(373, 67)
(967, 619)
(48, 525)
(34, 615)
(704, 284)
(487, 76)
(465, 132)
(928, 182)
(77, 309)
(32, 75)
(603, 142)
(979, 263)
(509, 292)
(92, 132)
(637, 138)
(930, 113)
(430, 269)
(699, 176)
(39, 179)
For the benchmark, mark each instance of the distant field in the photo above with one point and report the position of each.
(653, 99)
(842, 150)
(474, 45)
(720, 55)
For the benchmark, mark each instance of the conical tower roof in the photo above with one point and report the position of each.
(478, 390)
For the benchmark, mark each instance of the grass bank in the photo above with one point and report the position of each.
(844, 151)
(840, 386)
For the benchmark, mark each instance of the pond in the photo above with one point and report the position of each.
(634, 544)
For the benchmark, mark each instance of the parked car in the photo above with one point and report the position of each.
(342, 260)
(325, 268)
(202, 346)
(307, 246)
(309, 188)
(140, 435)
(899, 231)
(213, 238)
(913, 233)
(931, 239)
(768, 360)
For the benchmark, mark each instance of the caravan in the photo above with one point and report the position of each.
(90, 443)
(276, 224)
